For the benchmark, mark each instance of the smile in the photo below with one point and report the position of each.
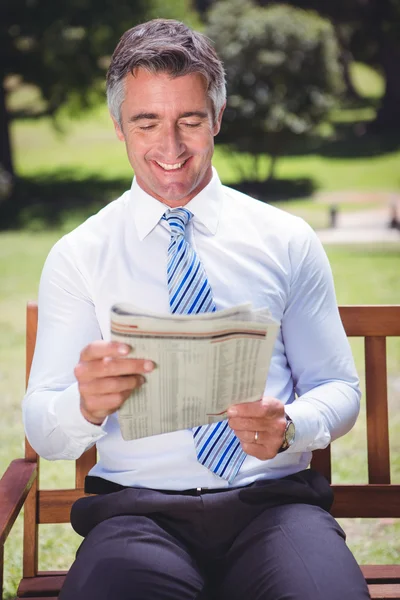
(174, 167)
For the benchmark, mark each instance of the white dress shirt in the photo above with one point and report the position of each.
(251, 252)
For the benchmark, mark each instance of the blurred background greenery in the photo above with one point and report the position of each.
(312, 122)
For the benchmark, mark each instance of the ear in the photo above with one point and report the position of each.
(217, 124)
(118, 130)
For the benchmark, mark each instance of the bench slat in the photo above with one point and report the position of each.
(83, 466)
(361, 321)
(40, 586)
(321, 462)
(381, 573)
(370, 500)
(390, 591)
(55, 505)
(377, 410)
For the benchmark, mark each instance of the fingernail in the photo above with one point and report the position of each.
(148, 365)
(123, 349)
(232, 412)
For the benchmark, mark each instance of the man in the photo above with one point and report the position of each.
(165, 523)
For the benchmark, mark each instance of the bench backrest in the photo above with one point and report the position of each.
(378, 498)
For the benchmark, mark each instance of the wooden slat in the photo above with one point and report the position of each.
(377, 410)
(381, 573)
(83, 466)
(31, 331)
(14, 488)
(1, 570)
(389, 591)
(321, 462)
(52, 573)
(370, 500)
(55, 505)
(41, 585)
(38, 597)
(31, 529)
(31, 534)
(371, 320)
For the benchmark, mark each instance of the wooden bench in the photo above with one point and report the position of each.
(379, 498)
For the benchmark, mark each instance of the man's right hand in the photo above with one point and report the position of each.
(106, 378)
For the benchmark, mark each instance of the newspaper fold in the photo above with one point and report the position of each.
(205, 362)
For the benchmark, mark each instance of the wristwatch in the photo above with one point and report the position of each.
(289, 435)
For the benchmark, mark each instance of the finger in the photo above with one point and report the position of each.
(99, 407)
(259, 451)
(101, 348)
(249, 437)
(111, 385)
(267, 407)
(278, 424)
(112, 367)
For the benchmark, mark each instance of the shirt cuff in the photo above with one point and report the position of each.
(66, 408)
(310, 432)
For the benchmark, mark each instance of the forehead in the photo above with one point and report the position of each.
(162, 92)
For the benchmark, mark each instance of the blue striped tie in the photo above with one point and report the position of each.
(217, 446)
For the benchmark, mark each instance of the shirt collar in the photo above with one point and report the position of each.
(206, 207)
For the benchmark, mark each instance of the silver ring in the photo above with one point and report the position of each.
(256, 437)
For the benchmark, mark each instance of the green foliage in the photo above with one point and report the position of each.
(283, 73)
(369, 31)
(64, 48)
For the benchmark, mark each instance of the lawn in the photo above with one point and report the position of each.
(21, 258)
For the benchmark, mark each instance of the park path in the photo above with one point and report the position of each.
(361, 227)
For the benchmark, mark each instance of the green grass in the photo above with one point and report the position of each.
(21, 258)
(89, 147)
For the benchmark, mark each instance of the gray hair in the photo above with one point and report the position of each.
(164, 45)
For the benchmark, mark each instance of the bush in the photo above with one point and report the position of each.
(283, 73)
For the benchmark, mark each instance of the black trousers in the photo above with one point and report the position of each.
(272, 540)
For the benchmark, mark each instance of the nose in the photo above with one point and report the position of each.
(171, 143)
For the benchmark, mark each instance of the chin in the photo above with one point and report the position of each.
(175, 193)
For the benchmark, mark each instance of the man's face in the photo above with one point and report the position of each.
(168, 129)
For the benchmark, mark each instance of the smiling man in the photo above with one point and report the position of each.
(168, 127)
(228, 510)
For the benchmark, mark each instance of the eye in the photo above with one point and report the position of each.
(146, 127)
(191, 125)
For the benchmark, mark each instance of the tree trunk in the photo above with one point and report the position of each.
(272, 167)
(346, 58)
(5, 146)
(256, 166)
(388, 117)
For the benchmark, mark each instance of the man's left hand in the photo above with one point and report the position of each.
(260, 426)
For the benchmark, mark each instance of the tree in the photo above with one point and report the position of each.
(63, 48)
(369, 31)
(283, 74)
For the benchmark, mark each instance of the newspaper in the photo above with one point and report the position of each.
(204, 363)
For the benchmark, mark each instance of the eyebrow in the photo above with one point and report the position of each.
(144, 115)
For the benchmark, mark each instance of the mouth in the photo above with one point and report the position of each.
(171, 167)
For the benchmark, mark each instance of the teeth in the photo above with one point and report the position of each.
(170, 167)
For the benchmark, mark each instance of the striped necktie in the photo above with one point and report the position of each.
(217, 446)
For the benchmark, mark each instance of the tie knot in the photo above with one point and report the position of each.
(178, 218)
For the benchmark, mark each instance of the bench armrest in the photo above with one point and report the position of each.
(14, 488)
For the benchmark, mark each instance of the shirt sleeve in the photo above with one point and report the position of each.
(54, 424)
(317, 349)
